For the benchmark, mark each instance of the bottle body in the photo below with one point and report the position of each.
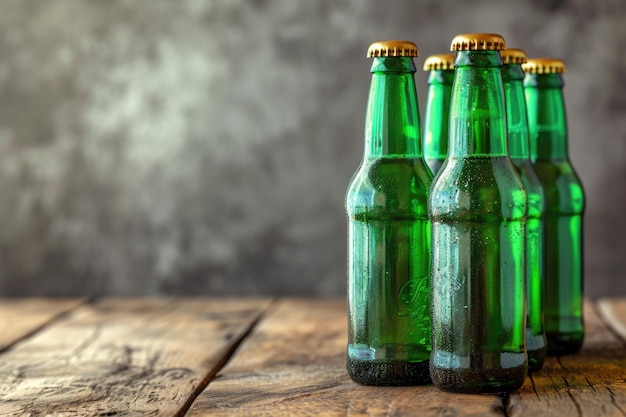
(536, 342)
(388, 287)
(388, 238)
(519, 151)
(478, 277)
(436, 119)
(563, 215)
(478, 209)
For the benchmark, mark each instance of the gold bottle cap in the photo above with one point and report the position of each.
(544, 66)
(392, 48)
(513, 56)
(478, 42)
(439, 62)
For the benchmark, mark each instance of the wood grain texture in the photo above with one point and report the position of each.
(20, 317)
(591, 383)
(294, 364)
(124, 357)
(155, 356)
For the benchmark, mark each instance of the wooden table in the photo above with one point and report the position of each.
(257, 357)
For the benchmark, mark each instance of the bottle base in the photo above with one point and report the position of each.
(536, 358)
(479, 381)
(388, 372)
(564, 343)
(537, 349)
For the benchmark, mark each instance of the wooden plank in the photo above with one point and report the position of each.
(613, 311)
(124, 357)
(20, 317)
(294, 364)
(590, 383)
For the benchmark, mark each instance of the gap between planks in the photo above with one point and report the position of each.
(588, 383)
(25, 317)
(228, 355)
(124, 356)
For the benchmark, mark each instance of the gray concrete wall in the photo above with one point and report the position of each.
(204, 147)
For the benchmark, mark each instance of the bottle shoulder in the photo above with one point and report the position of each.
(393, 185)
(562, 187)
(479, 188)
(555, 171)
(532, 184)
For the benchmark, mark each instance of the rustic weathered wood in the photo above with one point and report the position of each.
(124, 357)
(590, 383)
(153, 357)
(21, 317)
(613, 311)
(294, 364)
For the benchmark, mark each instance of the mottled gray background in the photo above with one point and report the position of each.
(204, 146)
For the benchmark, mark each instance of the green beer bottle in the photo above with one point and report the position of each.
(440, 79)
(389, 231)
(565, 204)
(477, 208)
(517, 122)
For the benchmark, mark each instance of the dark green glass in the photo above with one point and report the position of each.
(565, 203)
(478, 207)
(517, 124)
(389, 237)
(436, 120)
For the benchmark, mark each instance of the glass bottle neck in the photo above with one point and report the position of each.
(440, 78)
(547, 123)
(392, 125)
(437, 113)
(517, 122)
(477, 113)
